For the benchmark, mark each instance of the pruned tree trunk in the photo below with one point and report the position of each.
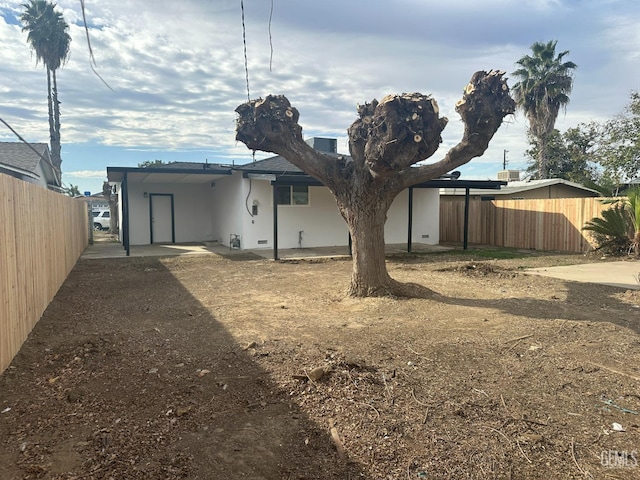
(114, 224)
(366, 227)
(113, 207)
(386, 140)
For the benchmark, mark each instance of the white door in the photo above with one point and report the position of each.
(161, 219)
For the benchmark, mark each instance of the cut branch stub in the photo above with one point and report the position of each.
(269, 124)
(397, 132)
(486, 101)
(359, 131)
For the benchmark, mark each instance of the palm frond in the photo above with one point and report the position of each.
(614, 232)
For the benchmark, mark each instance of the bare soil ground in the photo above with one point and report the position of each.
(213, 368)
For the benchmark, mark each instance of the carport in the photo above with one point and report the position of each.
(195, 175)
(189, 174)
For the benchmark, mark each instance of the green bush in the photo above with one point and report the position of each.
(617, 232)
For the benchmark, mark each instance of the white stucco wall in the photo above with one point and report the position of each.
(320, 222)
(226, 208)
(426, 216)
(192, 212)
(203, 212)
(426, 211)
(323, 226)
(257, 228)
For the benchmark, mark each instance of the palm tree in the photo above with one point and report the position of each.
(72, 190)
(544, 84)
(49, 39)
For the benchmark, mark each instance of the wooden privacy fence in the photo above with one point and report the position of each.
(545, 224)
(42, 234)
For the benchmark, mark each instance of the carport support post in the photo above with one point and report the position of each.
(275, 222)
(465, 242)
(124, 189)
(410, 223)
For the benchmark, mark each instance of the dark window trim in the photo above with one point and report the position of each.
(290, 188)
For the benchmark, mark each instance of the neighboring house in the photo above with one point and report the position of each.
(97, 201)
(517, 189)
(19, 160)
(265, 204)
(633, 183)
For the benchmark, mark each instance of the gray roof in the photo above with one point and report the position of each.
(523, 186)
(19, 155)
(273, 164)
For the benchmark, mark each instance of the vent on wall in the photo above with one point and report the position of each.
(425, 236)
(263, 242)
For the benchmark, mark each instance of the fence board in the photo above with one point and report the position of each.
(42, 234)
(540, 224)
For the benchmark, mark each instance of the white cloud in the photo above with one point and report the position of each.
(177, 68)
(87, 174)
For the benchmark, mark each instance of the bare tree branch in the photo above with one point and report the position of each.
(484, 104)
(271, 125)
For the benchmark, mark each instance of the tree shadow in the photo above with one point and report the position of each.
(573, 307)
(128, 375)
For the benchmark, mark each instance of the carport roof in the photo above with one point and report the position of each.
(286, 173)
(182, 172)
(277, 169)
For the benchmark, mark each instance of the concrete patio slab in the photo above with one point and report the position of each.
(617, 274)
(107, 246)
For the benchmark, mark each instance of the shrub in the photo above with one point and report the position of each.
(617, 232)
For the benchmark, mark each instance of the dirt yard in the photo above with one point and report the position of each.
(215, 368)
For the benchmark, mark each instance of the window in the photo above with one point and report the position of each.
(299, 195)
(292, 194)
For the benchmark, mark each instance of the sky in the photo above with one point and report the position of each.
(176, 71)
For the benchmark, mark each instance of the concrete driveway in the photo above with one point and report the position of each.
(617, 274)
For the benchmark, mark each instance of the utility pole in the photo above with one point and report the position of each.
(504, 159)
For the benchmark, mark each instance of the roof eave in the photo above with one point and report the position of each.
(116, 174)
(26, 173)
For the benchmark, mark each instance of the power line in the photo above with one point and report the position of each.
(244, 41)
(270, 39)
